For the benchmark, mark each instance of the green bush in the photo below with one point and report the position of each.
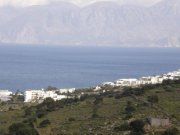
(44, 123)
(129, 107)
(28, 111)
(71, 119)
(51, 88)
(41, 112)
(30, 120)
(22, 129)
(123, 127)
(98, 100)
(118, 96)
(128, 116)
(137, 126)
(171, 131)
(153, 99)
(137, 133)
(95, 115)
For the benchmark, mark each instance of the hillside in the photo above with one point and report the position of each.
(101, 23)
(112, 112)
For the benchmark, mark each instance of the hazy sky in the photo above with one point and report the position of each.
(77, 2)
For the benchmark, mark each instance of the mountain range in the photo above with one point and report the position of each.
(98, 24)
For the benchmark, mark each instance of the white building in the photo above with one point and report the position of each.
(97, 88)
(158, 79)
(59, 97)
(40, 95)
(33, 95)
(5, 95)
(109, 83)
(127, 82)
(53, 95)
(71, 90)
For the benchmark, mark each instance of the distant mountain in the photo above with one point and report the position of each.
(101, 23)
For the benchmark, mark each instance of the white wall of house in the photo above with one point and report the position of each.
(71, 90)
(5, 95)
(33, 95)
(40, 95)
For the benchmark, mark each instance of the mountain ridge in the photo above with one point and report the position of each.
(101, 23)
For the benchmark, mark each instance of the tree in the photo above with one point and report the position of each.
(50, 104)
(22, 129)
(28, 111)
(137, 126)
(153, 99)
(44, 123)
(51, 88)
(129, 107)
(41, 112)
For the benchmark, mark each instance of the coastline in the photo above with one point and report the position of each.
(38, 95)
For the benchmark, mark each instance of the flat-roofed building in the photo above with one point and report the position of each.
(5, 95)
(158, 122)
(33, 95)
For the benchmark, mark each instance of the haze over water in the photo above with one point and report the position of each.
(23, 67)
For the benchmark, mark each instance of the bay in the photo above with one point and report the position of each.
(25, 67)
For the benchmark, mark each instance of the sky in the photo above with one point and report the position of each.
(24, 3)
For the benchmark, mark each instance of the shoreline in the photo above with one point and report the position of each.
(38, 95)
(108, 82)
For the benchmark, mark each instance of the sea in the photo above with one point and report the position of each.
(36, 67)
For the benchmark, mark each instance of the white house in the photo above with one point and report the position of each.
(71, 90)
(33, 95)
(50, 94)
(158, 79)
(127, 82)
(5, 95)
(97, 88)
(40, 95)
(109, 83)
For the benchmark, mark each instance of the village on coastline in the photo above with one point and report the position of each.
(31, 95)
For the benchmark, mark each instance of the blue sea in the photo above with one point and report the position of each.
(24, 67)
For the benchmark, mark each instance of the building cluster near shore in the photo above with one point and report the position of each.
(59, 94)
(31, 95)
(133, 82)
(39, 95)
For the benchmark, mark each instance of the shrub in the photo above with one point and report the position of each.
(44, 123)
(123, 127)
(30, 120)
(171, 131)
(50, 104)
(22, 129)
(118, 96)
(139, 91)
(51, 88)
(153, 99)
(137, 133)
(167, 82)
(95, 115)
(128, 116)
(28, 111)
(41, 112)
(83, 97)
(98, 100)
(137, 126)
(127, 92)
(71, 119)
(129, 108)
